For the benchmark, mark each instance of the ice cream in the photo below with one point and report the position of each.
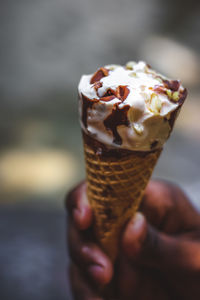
(126, 114)
(130, 107)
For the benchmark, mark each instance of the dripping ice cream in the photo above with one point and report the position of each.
(130, 107)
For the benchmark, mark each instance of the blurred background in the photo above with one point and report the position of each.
(46, 45)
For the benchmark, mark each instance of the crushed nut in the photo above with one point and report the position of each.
(169, 93)
(130, 65)
(155, 104)
(133, 74)
(122, 92)
(138, 128)
(175, 96)
(159, 89)
(102, 72)
(112, 67)
(146, 70)
(172, 84)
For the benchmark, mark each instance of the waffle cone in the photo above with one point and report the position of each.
(116, 180)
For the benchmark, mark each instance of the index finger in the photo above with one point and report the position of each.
(78, 206)
(167, 207)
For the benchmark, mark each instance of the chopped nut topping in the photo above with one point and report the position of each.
(146, 69)
(112, 67)
(130, 65)
(172, 84)
(155, 104)
(109, 95)
(97, 85)
(121, 93)
(175, 96)
(159, 89)
(102, 72)
(138, 128)
(133, 74)
(169, 93)
(107, 98)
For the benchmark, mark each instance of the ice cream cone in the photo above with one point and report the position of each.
(127, 113)
(116, 180)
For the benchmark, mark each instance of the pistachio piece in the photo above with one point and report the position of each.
(169, 93)
(130, 65)
(133, 74)
(112, 67)
(146, 70)
(175, 96)
(138, 128)
(155, 104)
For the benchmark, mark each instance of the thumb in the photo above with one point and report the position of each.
(146, 246)
(140, 240)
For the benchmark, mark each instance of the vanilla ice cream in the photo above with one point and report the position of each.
(130, 107)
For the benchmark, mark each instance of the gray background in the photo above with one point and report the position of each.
(46, 46)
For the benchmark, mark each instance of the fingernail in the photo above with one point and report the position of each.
(95, 271)
(137, 220)
(93, 268)
(86, 251)
(77, 214)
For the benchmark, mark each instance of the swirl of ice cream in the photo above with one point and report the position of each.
(130, 107)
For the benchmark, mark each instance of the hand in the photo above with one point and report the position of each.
(160, 249)
(89, 266)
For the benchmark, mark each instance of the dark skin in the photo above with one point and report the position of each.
(159, 249)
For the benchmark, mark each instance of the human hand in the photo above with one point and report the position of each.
(160, 249)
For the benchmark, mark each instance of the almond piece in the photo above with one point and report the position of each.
(112, 67)
(155, 104)
(139, 129)
(132, 74)
(130, 65)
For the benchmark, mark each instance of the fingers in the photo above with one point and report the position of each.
(98, 264)
(85, 254)
(89, 257)
(78, 207)
(134, 236)
(157, 202)
(81, 289)
(167, 208)
(145, 246)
